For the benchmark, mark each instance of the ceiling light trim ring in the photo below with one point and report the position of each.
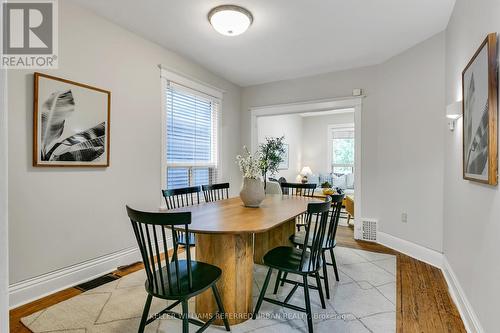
(240, 9)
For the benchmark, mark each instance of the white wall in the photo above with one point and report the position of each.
(315, 140)
(402, 137)
(63, 216)
(471, 211)
(291, 127)
(410, 150)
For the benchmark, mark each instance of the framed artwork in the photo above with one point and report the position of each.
(284, 162)
(70, 124)
(480, 112)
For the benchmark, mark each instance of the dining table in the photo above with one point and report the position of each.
(234, 238)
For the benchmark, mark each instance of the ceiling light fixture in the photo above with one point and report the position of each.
(230, 20)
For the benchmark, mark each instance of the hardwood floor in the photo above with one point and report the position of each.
(423, 302)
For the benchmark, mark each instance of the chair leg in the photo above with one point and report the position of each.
(222, 312)
(320, 290)
(262, 293)
(278, 279)
(308, 304)
(284, 278)
(185, 317)
(334, 265)
(145, 313)
(325, 276)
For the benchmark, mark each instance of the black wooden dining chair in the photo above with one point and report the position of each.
(171, 278)
(182, 197)
(215, 192)
(329, 244)
(305, 261)
(299, 189)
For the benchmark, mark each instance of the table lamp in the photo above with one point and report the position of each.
(306, 171)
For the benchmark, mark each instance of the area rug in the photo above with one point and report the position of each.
(363, 301)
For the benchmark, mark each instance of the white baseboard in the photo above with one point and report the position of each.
(37, 287)
(413, 250)
(469, 317)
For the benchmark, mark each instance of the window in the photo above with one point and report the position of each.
(190, 137)
(342, 149)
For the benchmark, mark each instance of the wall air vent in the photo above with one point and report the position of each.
(369, 230)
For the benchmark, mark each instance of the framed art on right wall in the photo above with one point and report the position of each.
(480, 113)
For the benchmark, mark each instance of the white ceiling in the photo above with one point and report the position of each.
(288, 38)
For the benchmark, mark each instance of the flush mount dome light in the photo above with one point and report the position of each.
(230, 20)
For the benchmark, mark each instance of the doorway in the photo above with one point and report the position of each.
(318, 135)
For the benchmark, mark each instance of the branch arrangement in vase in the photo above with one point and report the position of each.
(249, 164)
(252, 191)
(271, 155)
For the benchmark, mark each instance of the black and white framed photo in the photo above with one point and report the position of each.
(284, 162)
(70, 123)
(480, 104)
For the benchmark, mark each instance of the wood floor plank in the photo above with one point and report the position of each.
(447, 309)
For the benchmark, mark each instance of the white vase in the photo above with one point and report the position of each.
(252, 192)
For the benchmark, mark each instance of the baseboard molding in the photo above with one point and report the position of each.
(413, 250)
(35, 288)
(469, 317)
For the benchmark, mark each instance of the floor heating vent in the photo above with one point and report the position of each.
(369, 230)
(97, 282)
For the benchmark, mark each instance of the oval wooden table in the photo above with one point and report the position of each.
(232, 237)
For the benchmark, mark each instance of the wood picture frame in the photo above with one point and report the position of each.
(71, 123)
(480, 114)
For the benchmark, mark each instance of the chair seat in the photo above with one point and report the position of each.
(298, 239)
(181, 239)
(203, 276)
(286, 258)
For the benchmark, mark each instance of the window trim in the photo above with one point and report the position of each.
(329, 135)
(166, 76)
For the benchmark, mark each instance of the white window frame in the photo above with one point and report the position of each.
(190, 84)
(329, 136)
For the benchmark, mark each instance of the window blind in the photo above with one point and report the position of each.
(191, 137)
(343, 133)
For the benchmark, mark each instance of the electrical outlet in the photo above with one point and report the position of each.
(404, 217)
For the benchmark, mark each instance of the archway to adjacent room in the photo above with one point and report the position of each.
(316, 117)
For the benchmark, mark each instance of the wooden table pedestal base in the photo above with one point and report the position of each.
(233, 254)
(275, 237)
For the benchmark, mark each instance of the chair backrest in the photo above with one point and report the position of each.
(182, 197)
(150, 230)
(215, 192)
(316, 228)
(273, 188)
(298, 189)
(337, 200)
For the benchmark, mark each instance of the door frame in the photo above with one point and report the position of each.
(339, 104)
(4, 230)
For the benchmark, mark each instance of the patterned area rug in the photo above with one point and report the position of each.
(363, 301)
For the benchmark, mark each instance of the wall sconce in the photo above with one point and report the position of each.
(453, 112)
